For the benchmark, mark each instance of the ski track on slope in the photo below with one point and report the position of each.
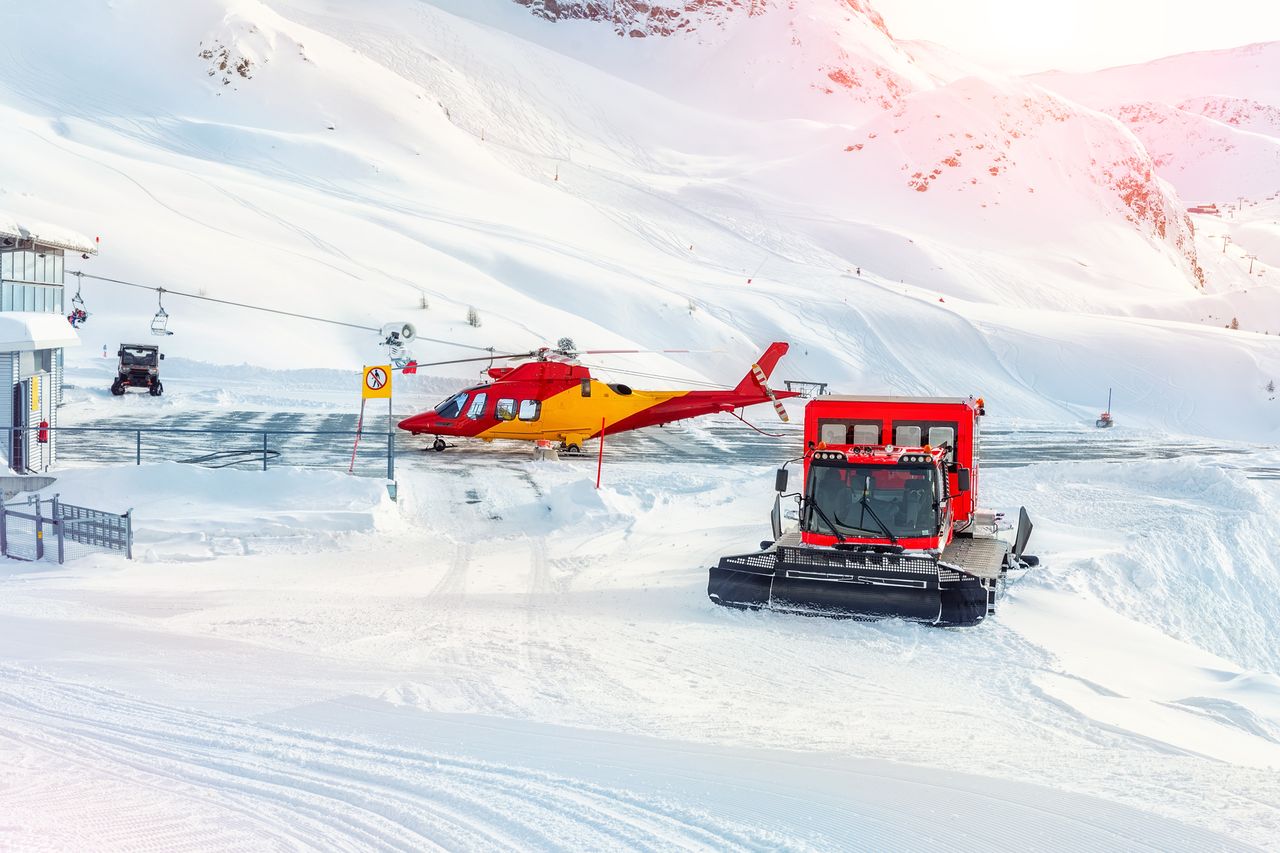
(240, 783)
(326, 793)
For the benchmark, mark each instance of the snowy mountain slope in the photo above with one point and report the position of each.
(1205, 158)
(1243, 113)
(1123, 174)
(1210, 120)
(1007, 161)
(478, 157)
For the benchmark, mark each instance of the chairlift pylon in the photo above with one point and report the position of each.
(160, 322)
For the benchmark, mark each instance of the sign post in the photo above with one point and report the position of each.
(376, 386)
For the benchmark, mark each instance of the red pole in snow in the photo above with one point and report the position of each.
(356, 446)
(600, 460)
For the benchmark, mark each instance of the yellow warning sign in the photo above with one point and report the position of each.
(35, 393)
(377, 382)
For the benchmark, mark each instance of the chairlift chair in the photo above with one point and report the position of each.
(78, 313)
(160, 322)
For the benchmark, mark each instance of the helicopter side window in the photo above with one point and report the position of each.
(477, 406)
(452, 407)
(506, 410)
(530, 410)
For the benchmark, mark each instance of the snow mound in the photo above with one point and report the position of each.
(1201, 568)
(185, 513)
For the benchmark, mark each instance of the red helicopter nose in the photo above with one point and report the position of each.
(424, 422)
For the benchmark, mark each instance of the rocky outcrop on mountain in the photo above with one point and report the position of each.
(1209, 148)
(1244, 113)
(638, 18)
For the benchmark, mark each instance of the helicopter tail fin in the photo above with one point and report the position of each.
(765, 365)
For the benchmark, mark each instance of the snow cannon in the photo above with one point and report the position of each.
(887, 529)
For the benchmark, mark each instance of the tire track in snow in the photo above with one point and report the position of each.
(335, 793)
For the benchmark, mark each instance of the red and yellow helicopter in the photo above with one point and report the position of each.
(554, 398)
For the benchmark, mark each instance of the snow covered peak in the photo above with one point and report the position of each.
(830, 60)
(1248, 72)
(638, 19)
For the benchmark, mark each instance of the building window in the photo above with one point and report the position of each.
(530, 410)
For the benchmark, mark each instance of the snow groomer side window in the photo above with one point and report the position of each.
(833, 434)
(938, 436)
(933, 433)
(849, 432)
(477, 406)
(866, 434)
(506, 410)
(906, 436)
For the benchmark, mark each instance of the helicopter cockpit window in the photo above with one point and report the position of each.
(530, 410)
(452, 407)
(477, 406)
(505, 410)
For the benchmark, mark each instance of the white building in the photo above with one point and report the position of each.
(33, 332)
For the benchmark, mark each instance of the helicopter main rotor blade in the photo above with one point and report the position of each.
(629, 351)
(472, 360)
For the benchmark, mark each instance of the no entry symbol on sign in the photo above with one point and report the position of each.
(377, 381)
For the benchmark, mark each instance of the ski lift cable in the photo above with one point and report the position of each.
(297, 315)
(606, 368)
(611, 369)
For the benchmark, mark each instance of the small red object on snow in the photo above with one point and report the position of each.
(411, 367)
(940, 299)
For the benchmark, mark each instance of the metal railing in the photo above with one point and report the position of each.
(220, 448)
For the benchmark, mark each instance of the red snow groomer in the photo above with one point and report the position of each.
(888, 519)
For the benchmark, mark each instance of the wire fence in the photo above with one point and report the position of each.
(51, 530)
(372, 456)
